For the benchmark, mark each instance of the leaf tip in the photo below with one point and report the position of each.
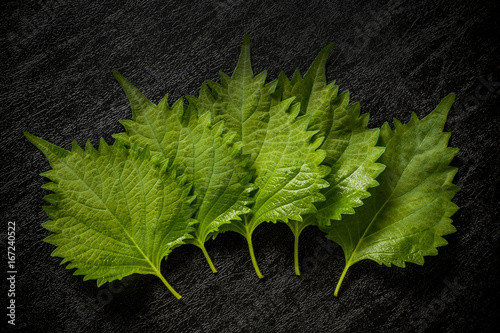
(244, 65)
(51, 151)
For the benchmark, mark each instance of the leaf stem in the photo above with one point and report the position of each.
(252, 255)
(336, 293)
(296, 253)
(172, 290)
(297, 229)
(202, 247)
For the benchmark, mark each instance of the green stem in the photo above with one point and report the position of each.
(252, 255)
(297, 229)
(172, 290)
(296, 253)
(336, 293)
(202, 247)
(198, 241)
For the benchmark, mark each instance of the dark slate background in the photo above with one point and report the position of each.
(56, 82)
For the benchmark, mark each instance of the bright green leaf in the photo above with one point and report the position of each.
(115, 211)
(210, 159)
(406, 215)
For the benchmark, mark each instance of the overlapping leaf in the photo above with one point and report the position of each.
(115, 211)
(283, 152)
(349, 144)
(120, 210)
(210, 159)
(405, 217)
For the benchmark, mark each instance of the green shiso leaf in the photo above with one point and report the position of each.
(114, 212)
(405, 217)
(210, 159)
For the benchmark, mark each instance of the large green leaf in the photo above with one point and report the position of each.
(282, 149)
(115, 211)
(349, 144)
(210, 159)
(406, 215)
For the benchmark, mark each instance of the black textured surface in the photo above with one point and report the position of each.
(57, 57)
